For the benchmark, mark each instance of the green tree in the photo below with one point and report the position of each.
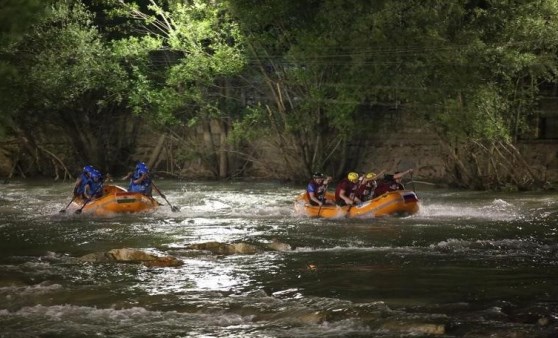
(303, 53)
(475, 70)
(470, 70)
(16, 17)
(202, 52)
(70, 85)
(308, 80)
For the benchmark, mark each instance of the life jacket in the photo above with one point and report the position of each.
(349, 187)
(139, 171)
(96, 183)
(318, 190)
(386, 185)
(366, 191)
(92, 177)
(80, 189)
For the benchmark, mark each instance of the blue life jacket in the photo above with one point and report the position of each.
(93, 178)
(96, 183)
(145, 185)
(82, 183)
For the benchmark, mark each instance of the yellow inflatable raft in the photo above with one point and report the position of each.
(401, 202)
(116, 200)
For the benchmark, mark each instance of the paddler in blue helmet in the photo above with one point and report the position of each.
(89, 183)
(316, 189)
(140, 180)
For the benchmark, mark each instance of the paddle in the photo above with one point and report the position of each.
(320, 208)
(73, 199)
(173, 208)
(424, 182)
(412, 181)
(78, 211)
(64, 210)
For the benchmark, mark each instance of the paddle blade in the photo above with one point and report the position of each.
(175, 209)
(78, 211)
(62, 211)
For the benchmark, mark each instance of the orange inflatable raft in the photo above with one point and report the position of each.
(116, 200)
(401, 202)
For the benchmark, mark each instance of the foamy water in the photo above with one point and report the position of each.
(469, 263)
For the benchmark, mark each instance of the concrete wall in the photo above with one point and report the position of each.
(422, 151)
(542, 156)
(415, 149)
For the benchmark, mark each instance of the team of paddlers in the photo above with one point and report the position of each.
(353, 189)
(89, 184)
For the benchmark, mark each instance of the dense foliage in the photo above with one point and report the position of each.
(66, 80)
(307, 80)
(16, 17)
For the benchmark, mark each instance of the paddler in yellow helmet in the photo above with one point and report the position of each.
(346, 189)
(366, 186)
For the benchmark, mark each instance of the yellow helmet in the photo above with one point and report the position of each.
(370, 176)
(353, 177)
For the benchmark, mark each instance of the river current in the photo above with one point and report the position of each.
(469, 264)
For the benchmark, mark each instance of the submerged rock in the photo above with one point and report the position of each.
(238, 248)
(279, 246)
(301, 316)
(414, 328)
(129, 255)
(96, 257)
(226, 249)
(166, 261)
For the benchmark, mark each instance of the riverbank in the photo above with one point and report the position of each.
(410, 147)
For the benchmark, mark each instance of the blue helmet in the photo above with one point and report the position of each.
(141, 167)
(92, 172)
(89, 170)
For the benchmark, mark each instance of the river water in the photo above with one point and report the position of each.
(469, 264)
